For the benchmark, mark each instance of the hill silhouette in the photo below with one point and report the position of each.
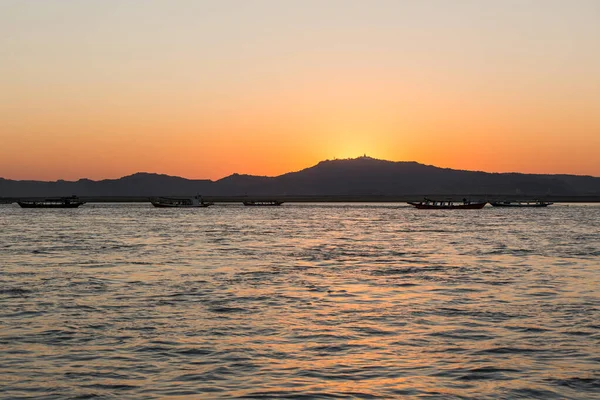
(354, 177)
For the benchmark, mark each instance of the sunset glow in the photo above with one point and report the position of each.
(203, 89)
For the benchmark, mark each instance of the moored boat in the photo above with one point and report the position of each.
(180, 202)
(537, 203)
(55, 202)
(263, 203)
(428, 204)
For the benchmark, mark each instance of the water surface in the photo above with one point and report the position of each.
(299, 301)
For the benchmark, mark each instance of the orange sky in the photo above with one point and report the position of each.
(103, 89)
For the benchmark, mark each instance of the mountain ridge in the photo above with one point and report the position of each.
(358, 176)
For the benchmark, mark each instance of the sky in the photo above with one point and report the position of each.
(202, 89)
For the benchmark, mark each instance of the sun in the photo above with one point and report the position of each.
(349, 142)
(351, 150)
(346, 148)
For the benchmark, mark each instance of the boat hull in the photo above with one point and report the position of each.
(179, 202)
(517, 205)
(262, 203)
(39, 205)
(202, 205)
(470, 206)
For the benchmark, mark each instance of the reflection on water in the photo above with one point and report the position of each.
(299, 301)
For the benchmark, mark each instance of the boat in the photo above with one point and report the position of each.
(180, 202)
(428, 204)
(56, 202)
(263, 203)
(537, 203)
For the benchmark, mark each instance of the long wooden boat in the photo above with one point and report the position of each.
(537, 203)
(263, 203)
(179, 202)
(447, 205)
(57, 202)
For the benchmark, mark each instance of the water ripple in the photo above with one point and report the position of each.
(302, 301)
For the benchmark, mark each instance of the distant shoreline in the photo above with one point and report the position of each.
(334, 199)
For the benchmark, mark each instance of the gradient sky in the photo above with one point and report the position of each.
(202, 89)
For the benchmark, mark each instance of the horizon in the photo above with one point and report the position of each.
(203, 90)
(275, 176)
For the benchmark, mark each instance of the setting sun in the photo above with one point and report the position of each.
(101, 91)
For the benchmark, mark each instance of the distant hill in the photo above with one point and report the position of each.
(140, 184)
(360, 176)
